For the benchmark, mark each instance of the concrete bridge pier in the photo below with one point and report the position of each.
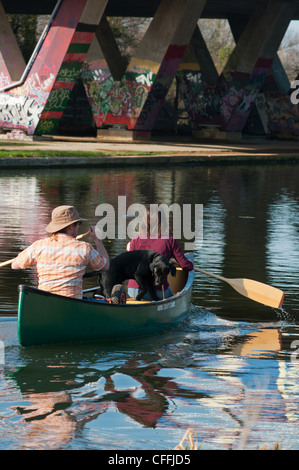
(221, 109)
(12, 64)
(133, 101)
(82, 26)
(276, 84)
(35, 102)
(254, 53)
(197, 77)
(125, 99)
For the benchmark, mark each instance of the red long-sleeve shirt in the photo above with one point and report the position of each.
(169, 247)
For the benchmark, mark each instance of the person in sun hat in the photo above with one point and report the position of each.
(60, 258)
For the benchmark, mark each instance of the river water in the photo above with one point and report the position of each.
(230, 371)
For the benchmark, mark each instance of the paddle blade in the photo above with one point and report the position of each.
(259, 292)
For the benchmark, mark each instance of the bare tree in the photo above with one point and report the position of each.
(289, 52)
(219, 40)
(24, 28)
(128, 33)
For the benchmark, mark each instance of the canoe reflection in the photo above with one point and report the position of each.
(262, 341)
(62, 396)
(63, 399)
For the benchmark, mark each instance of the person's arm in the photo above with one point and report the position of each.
(24, 259)
(178, 253)
(100, 247)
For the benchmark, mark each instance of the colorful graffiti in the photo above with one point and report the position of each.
(23, 105)
(116, 102)
(136, 99)
(36, 105)
(65, 79)
(239, 115)
(229, 102)
(18, 111)
(279, 114)
(165, 75)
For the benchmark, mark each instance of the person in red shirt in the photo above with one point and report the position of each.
(153, 235)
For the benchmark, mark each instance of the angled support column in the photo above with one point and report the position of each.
(36, 103)
(196, 73)
(228, 103)
(278, 73)
(102, 70)
(276, 82)
(182, 18)
(250, 62)
(135, 100)
(12, 63)
(21, 104)
(278, 115)
(108, 49)
(78, 45)
(281, 111)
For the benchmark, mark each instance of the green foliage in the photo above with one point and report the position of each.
(223, 55)
(24, 28)
(128, 33)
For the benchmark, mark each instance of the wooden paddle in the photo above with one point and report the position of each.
(5, 263)
(254, 290)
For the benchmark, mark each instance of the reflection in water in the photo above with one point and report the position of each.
(224, 386)
(228, 371)
(283, 244)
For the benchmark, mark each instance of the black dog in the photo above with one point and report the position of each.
(147, 267)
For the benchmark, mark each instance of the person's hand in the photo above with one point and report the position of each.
(95, 233)
(97, 236)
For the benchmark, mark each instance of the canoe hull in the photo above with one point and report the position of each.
(44, 318)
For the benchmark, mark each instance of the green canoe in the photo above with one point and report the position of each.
(45, 318)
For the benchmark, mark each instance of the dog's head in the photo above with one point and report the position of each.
(160, 268)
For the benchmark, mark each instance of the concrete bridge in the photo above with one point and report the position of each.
(78, 45)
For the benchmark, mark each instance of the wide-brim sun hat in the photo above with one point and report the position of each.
(62, 217)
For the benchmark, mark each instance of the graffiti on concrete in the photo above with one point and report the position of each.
(19, 111)
(65, 80)
(4, 78)
(201, 101)
(48, 81)
(21, 107)
(228, 103)
(251, 88)
(280, 114)
(135, 100)
(116, 101)
(38, 104)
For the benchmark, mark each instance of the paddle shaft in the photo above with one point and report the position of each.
(254, 290)
(220, 278)
(5, 263)
(83, 235)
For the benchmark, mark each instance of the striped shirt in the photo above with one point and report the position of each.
(61, 261)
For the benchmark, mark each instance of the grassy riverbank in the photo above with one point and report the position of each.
(92, 152)
(40, 153)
